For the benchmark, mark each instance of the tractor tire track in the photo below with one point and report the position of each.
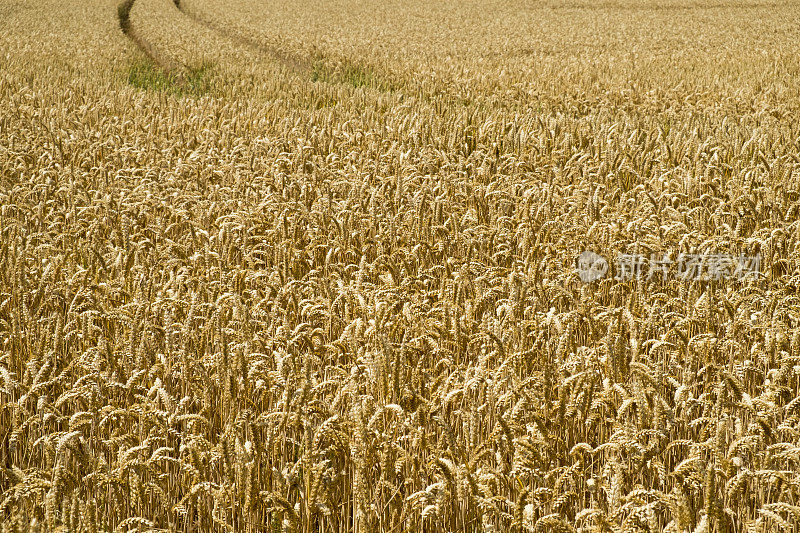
(292, 62)
(313, 66)
(126, 25)
(301, 65)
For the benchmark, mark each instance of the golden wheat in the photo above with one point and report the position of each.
(294, 267)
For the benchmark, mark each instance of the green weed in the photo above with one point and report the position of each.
(348, 72)
(145, 74)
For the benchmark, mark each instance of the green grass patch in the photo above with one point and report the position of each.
(348, 72)
(146, 75)
(199, 80)
(320, 72)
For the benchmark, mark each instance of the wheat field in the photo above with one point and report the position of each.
(299, 267)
